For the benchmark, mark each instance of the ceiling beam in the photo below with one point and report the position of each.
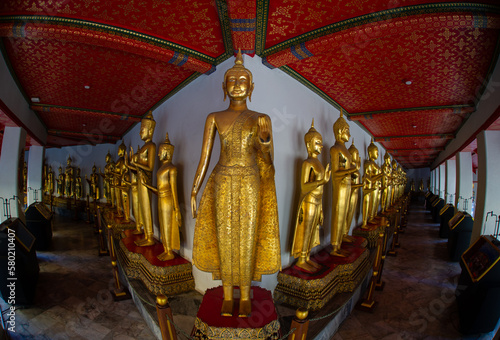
(456, 109)
(85, 136)
(425, 136)
(70, 109)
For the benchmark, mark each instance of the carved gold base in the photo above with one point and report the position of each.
(262, 324)
(370, 233)
(160, 277)
(312, 291)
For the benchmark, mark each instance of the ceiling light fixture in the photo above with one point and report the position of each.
(86, 87)
(407, 81)
(35, 99)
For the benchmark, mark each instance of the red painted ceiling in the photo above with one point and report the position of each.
(357, 55)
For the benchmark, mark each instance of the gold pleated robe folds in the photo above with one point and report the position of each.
(237, 230)
(299, 230)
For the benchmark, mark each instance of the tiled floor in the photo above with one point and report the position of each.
(72, 298)
(418, 300)
(73, 302)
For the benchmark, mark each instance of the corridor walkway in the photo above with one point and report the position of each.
(418, 300)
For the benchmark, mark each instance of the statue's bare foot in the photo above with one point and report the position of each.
(227, 308)
(245, 308)
(165, 256)
(144, 242)
(303, 264)
(137, 232)
(340, 253)
(314, 264)
(348, 239)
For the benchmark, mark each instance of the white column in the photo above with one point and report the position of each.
(442, 179)
(464, 181)
(451, 174)
(35, 180)
(14, 140)
(431, 188)
(488, 189)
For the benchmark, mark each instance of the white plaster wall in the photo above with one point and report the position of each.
(416, 175)
(291, 107)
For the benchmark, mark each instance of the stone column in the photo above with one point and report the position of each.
(464, 181)
(442, 179)
(451, 174)
(14, 140)
(488, 186)
(35, 180)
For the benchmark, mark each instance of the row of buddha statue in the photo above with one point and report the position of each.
(236, 235)
(381, 187)
(68, 183)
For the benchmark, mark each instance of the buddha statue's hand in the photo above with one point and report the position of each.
(264, 124)
(193, 205)
(328, 174)
(178, 216)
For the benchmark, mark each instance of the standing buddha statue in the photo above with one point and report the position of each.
(69, 178)
(78, 184)
(237, 233)
(169, 213)
(50, 181)
(60, 183)
(310, 212)
(355, 185)
(144, 165)
(386, 182)
(342, 170)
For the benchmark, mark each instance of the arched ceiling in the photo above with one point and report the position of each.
(409, 71)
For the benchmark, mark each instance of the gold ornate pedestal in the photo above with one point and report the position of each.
(160, 277)
(262, 324)
(370, 233)
(312, 291)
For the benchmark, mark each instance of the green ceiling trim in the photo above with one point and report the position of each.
(261, 27)
(222, 10)
(365, 19)
(294, 74)
(111, 30)
(422, 108)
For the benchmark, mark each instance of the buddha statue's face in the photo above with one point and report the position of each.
(50, 169)
(315, 145)
(356, 160)
(237, 84)
(121, 150)
(78, 171)
(108, 158)
(60, 169)
(387, 160)
(165, 153)
(146, 130)
(94, 169)
(68, 161)
(373, 153)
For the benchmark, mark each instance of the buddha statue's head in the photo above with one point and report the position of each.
(313, 140)
(50, 168)
(341, 129)
(122, 149)
(108, 158)
(387, 159)
(165, 150)
(69, 160)
(394, 165)
(60, 169)
(372, 151)
(147, 126)
(238, 81)
(78, 171)
(94, 168)
(355, 155)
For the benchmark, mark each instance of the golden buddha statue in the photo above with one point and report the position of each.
(237, 233)
(44, 178)
(386, 182)
(78, 184)
(50, 181)
(310, 213)
(93, 184)
(144, 164)
(342, 170)
(60, 183)
(121, 190)
(355, 185)
(394, 181)
(108, 178)
(376, 176)
(169, 213)
(421, 185)
(133, 184)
